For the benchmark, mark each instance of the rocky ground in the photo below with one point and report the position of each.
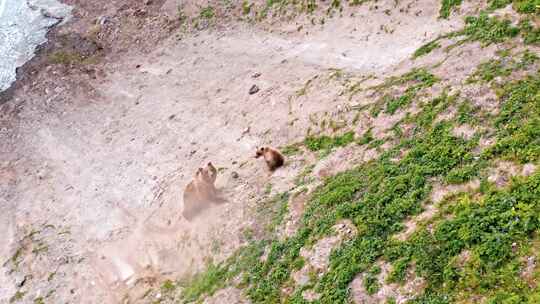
(107, 125)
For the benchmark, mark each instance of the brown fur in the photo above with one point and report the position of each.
(211, 171)
(273, 158)
(201, 192)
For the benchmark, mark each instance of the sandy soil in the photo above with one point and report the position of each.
(95, 156)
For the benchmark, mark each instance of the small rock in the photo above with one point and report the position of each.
(254, 89)
(246, 130)
(103, 20)
(234, 174)
(256, 75)
(158, 296)
(147, 2)
(21, 281)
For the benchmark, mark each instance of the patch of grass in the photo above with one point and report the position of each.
(19, 295)
(69, 58)
(268, 189)
(246, 7)
(419, 75)
(426, 49)
(530, 34)
(420, 79)
(482, 28)
(447, 6)
(217, 276)
(490, 70)
(39, 300)
(327, 142)
(271, 212)
(488, 30)
(302, 178)
(486, 227)
(521, 6)
(207, 13)
(518, 124)
(466, 113)
(168, 286)
(527, 60)
(502, 67)
(292, 149)
(371, 282)
(527, 6)
(366, 138)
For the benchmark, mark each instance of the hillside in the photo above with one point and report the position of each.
(411, 131)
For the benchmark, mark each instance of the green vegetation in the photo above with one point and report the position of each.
(476, 244)
(518, 124)
(273, 211)
(420, 79)
(70, 58)
(371, 282)
(488, 30)
(168, 286)
(303, 178)
(378, 196)
(426, 49)
(39, 300)
(17, 296)
(529, 33)
(487, 228)
(292, 149)
(327, 143)
(502, 67)
(207, 12)
(246, 7)
(447, 6)
(522, 6)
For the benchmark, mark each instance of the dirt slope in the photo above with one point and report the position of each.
(95, 155)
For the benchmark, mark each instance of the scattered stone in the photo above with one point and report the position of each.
(22, 281)
(256, 75)
(254, 89)
(103, 20)
(235, 175)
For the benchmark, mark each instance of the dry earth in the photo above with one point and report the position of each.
(94, 156)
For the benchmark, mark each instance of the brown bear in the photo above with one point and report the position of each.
(274, 159)
(201, 192)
